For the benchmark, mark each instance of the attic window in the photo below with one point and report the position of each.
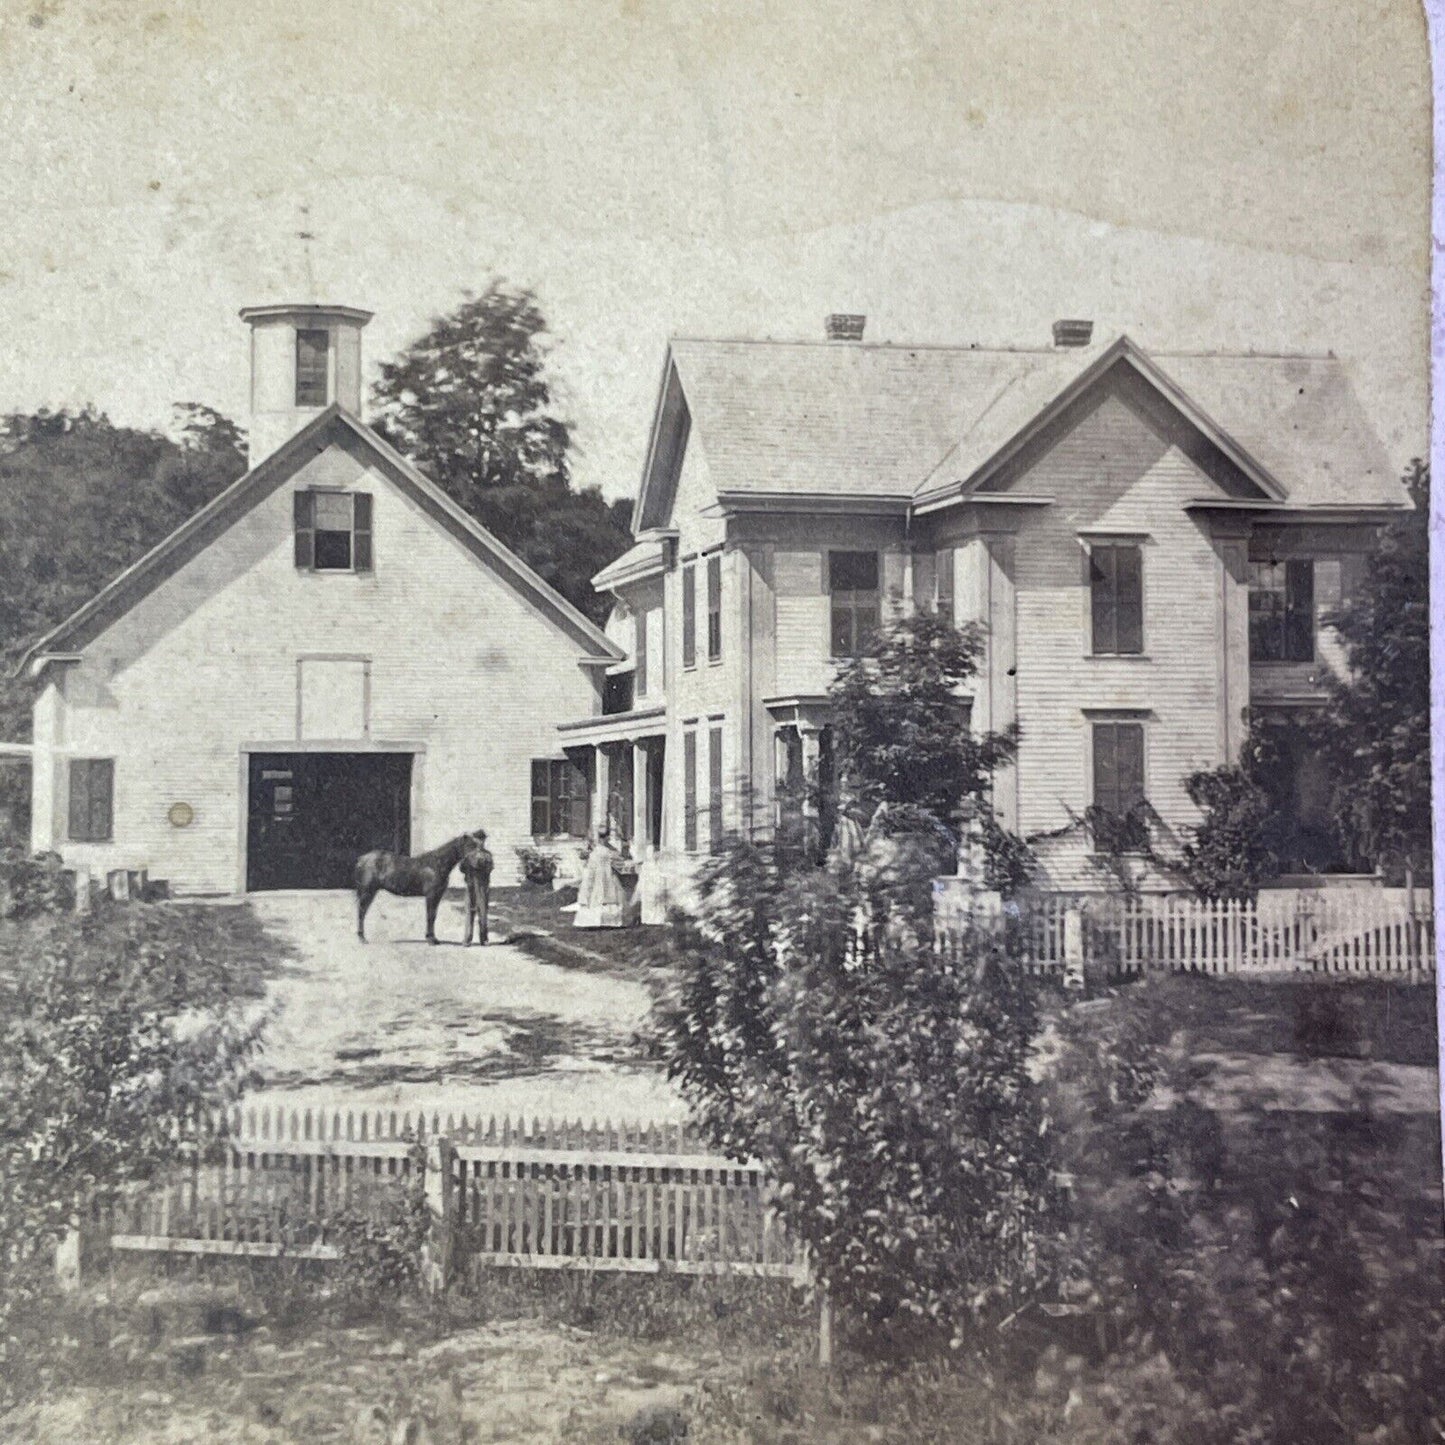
(311, 368)
(333, 531)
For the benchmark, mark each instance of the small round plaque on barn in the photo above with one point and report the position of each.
(181, 815)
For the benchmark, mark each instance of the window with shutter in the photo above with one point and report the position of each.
(943, 567)
(853, 601)
(1282, 611)
(1119, 779)
(715, 790)
(689, 790)
(1116, 586)
(92, 786)
(333, 531)
(312, 348)
(714, 608)
(561, 799)
(639, 653)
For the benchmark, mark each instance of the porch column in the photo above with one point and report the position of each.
(640, 839)
(809, 734)
(601, 788)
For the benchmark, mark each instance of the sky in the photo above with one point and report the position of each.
(1234, 175)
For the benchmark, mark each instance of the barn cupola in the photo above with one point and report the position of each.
(303, 358)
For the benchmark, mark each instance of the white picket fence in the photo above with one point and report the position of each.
(1354, 931)
(271, 1182)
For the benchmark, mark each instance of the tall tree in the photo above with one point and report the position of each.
(471, 403)
(1378, 727)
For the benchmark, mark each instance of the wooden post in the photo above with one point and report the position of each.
(82, 888)
(1074, 948)
(67, 1261)
(439, 1185)
(825, 1330)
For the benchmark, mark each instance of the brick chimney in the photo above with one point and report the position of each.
(1073, 333)
(303, 358)
(841, 326)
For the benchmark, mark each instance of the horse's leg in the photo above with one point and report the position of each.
(471, 910)
(363, 902)
(484, 887)
(433, 902)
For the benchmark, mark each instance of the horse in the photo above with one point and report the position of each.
(425, 876)
(476, 865)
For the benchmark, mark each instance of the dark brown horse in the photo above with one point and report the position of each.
(425, 876)
(477, 871)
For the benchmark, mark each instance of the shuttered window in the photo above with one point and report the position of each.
(311, 367)
(561, 799)
(1119, 776)
(714, 608)
(715, 790)
(332, 531)
(689, 790)
(689, 615)
(1116, 586)
(943, 585)
(853, 601)
(1282, 611)
(92, 800)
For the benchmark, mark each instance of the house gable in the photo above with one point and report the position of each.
(333, 450)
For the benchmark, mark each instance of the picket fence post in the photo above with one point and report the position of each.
(1074, 948)
(439, 1190)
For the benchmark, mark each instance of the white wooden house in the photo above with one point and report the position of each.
(330, 656)
(1151, 541)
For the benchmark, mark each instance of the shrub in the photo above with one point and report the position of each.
(32, 885)
(381, 1239)
(884, 1086)
(537, 866)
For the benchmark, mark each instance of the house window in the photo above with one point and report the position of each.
(561, 799)
(1119, 779)
(689, 615)
(1116, 586)
(311, 368)
(714, 789)
(689, 790)
(639, 653)
(714, 608)
(92, 794)
(943, 585)
(1282, 611)
(853, 590)
(333, 531)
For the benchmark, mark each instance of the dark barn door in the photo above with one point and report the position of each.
(311, 815)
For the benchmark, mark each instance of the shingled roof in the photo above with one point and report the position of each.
(854, 420)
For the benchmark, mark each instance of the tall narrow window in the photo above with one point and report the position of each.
(1119, 779)
(714, 607)
(311, 367)
(92, 792)
(1116, 586)
(689, 790)
(639, 653)
(943, 585)
(715, 790)
(689, 615)
(853, 601)
(1282, 611)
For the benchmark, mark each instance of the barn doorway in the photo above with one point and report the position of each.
(311, 815)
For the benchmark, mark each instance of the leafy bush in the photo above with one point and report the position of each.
(381, 1239)
(32, 885)
(885, 1087)
(537, 867)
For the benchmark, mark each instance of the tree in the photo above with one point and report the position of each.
(901, 735)
(885, 1086)
(471, 404)
(1378, 727)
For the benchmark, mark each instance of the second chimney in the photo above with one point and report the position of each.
(1073, 333)
(841, 326)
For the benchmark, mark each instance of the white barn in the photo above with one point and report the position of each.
(330, 656)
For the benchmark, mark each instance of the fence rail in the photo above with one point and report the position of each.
(1355, 931)
(273, 1182)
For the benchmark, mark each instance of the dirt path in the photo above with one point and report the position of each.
(397, 1023)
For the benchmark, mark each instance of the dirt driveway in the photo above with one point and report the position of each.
(398, 1023)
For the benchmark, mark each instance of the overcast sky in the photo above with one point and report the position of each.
(1237, 174)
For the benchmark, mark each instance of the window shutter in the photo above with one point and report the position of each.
(689, 615)
(1101, 598)
(1129, 592)
(1299, 610)
(1131, 765)
(303, 511)
(715, 791)
(1106, 768)
(580, 821)
(79, 800)
(689, 796)
(541, 798)
(361, 531)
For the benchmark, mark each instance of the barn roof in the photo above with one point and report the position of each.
(335, 424)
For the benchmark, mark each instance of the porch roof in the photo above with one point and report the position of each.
(617, 727)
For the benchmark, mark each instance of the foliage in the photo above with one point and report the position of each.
(110, 1053)
(538, 866)
(31, 886)
(1256, 1278)
(471, 403)
(1378, 736)
(901, 735)
(381, 1242)
(1235, 846)
(884, 1086)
